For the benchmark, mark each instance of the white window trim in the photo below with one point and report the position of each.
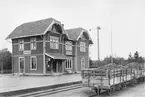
(22, 44)
(19, 64)
(82, 47)
(83, 58)
(32, 42)
(31, 62)
(69, 62)
(68, 45)
(54, 42)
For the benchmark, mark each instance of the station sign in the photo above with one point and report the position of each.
(27, 52)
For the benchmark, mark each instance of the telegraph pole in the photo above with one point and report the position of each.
(98, 28)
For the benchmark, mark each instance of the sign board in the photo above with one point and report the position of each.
(27, 52)
(68, 52)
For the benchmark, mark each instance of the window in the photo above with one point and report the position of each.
(21, 45)
(68, 45)
(54, 42)
(33, 43)
(82, 47)
(69, 63)
(21, 64)
(33, 63)
(82, 62)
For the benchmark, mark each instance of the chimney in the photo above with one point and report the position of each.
(62, 25)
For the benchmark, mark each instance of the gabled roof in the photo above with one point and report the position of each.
(40, 27)
(32, 28)
(75, 33)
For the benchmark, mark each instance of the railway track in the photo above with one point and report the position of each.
(51, 91)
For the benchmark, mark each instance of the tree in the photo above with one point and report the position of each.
(91, 62)
(5, 60)
(136, 55)
(130, 56)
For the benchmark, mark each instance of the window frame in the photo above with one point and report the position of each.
(31, 62)
(83, 65)
(54, 42)
(69, 63)
(82, 47)
(33, 41)
(68, 45)
(21, 44)
(24, 64)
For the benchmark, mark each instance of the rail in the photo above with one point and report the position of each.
(51, 91)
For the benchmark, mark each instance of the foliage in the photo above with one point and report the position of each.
(118, 60)
(5, 59)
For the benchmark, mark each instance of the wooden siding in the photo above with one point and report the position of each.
(82, 54)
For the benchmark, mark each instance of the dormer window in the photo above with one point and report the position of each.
(82, 47)
(21, 45)
(33, 43)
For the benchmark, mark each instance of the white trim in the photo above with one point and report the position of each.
(48, 27)
(49, 55)
(82, 33)
(33, 42)
(25, 36)
(19, 64)
(69, 63)
(83, 59)
(31, 62)
(22, 43)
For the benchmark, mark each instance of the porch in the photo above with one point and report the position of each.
(55, 63)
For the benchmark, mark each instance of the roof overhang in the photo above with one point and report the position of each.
(90, 40)
(56, 56)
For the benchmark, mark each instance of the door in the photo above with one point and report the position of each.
(54, 66)
(21, 64)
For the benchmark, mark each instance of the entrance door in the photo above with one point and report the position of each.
(54, 66)
(57, 66)
(21, 64)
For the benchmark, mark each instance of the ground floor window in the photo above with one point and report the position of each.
(82, 62)
(21, 64)
(33, 63)
(69, 63)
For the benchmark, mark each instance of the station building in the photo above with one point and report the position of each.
(45, 47)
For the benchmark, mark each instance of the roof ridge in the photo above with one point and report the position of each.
(75, 28)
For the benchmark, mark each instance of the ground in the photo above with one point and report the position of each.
(135, 91)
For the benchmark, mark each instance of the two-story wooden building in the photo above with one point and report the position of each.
(44, 47)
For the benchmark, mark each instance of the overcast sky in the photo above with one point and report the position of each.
(127, 18)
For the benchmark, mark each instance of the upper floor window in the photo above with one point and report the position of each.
(21, 45)
(82, 62)
(33, 63)
(69, 63)
(33, 43)
(54, 42)
(82, 47)
(68, 45)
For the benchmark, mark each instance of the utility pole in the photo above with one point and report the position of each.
(98, 28)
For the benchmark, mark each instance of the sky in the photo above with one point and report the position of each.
(124, 18)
